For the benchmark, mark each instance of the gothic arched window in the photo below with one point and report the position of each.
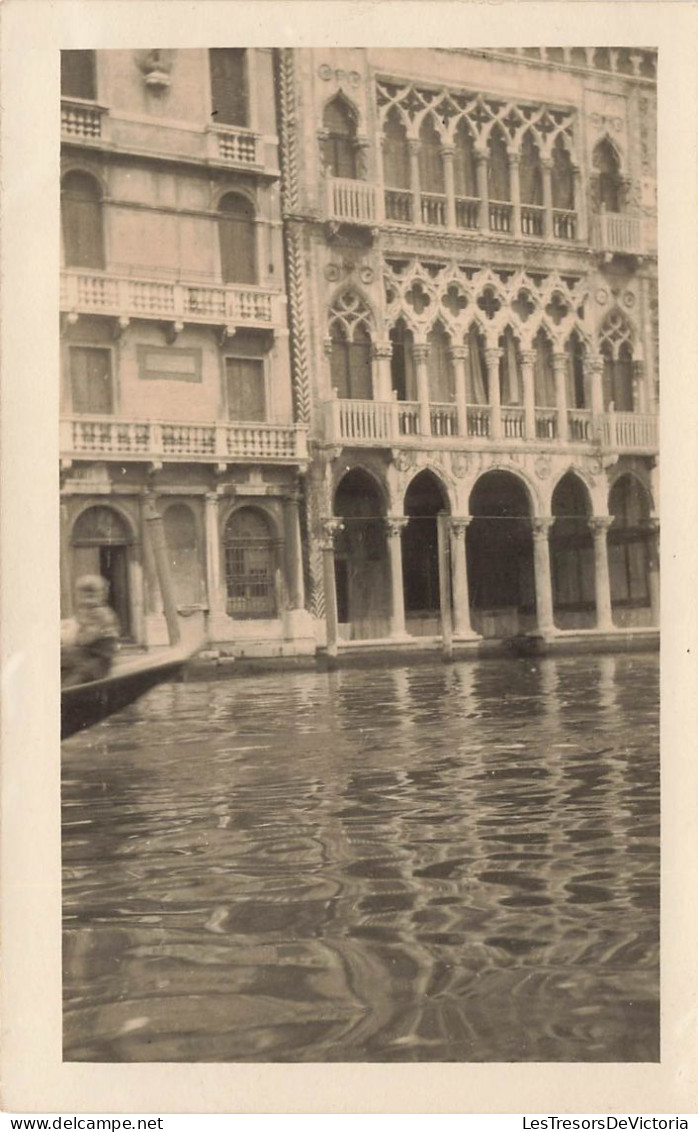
(396, 153)
(81, 211)
(237, 234)
(608, 179)
(464, 163)
(531, 172)
(498, 168)
(562, 177)
(339, 143)
(402, 372)
(350, 362)
(431, 166)
(441, 381)
(618, 369)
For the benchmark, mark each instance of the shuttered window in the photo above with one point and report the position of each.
(229, 97)
(81, 210)
(237, 239)
(90, 379)
(245, 389)
(78, 77)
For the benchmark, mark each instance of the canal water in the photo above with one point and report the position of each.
(434, 863)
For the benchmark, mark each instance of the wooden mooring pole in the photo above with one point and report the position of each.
(155, 532)
(444, 549)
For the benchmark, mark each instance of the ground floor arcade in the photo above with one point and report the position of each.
(233, 545)
(413, 551)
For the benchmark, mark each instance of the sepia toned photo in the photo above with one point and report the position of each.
(359, 578)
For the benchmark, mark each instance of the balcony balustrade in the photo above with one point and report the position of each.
(433, 206)
(235, 146)
(500, 216)
(398, 206)
(84, 292)
(105, 437)
(616, 232)
(467, 212)
(532, 220)
(82, 121)
(351, 202)
(388, 423)
(564, 224)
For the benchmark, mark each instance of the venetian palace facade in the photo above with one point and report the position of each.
(376, 329)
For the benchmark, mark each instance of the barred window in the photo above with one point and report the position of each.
(250, 565)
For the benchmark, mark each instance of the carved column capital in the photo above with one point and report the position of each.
(395, 525)
(382, 350)
(420, 352)
(414, 145)
(327, 346)
(448, 149)
(492, 355)
(329, 528)
(459, 353)
(541, 526)
(528, 357)
(459, 525)
(599, 525)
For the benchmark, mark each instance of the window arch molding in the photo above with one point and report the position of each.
(252, 551)
(617, 329)
(349, 307)
(82, 218)
(129, 538)
(339, 138)
(237, 235)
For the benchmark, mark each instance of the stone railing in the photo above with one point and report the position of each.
(87, 292)
(631, 432)
(351, 202)
(234, 146)
(376, 423)
(82, 121)
(618, 232)
(104, 437)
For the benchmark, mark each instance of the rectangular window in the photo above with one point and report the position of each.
(245, 389)
(90, 380)
(229, 100)
(78, 77)
(162, 363)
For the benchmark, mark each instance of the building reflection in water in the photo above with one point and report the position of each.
(443, 862)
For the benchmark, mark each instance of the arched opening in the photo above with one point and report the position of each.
(100, 545)
(339, 152)
(576, 385)
(441, 379)
(81, 214)
(543, 371)
(424, 500)
(510, 385)
(498, 168)
(500, 557)
(562, 177)
(531, 183)
(396, 169)
(402, 370)
(478, 386)
(572, 556)
(252, 575)
(350, 361)
(237, 235)
(182, 543)
(361, 562)
(465, 177)
(618, 377)
(608, 181)
(630, 552)
(432, 181)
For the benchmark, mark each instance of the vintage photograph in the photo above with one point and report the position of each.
(359, 536)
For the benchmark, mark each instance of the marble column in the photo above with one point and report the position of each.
(414, 146)
(447, 152)
(459, 358)
(294, 553)
(420, 353)
(461, 598)
(515, 190)
(394, 526)
(593, 373)
(381, 353)
(560, 371)
(214, 583)
(483, 191)
(492, 356)
(330, 528)
(543, 579)
(602, 580)
(529, 393)
(653, 569)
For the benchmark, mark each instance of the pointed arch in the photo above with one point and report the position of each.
(498, 166)
(441, 378)
(396, 152)
(562, 176)
(431, 166)
(608, 180)
(339, 149)
(531, 171)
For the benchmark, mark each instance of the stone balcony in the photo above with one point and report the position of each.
(352, 202)
(162, 300)
(83, 121)
(404, 424)
(616, 233)
(104, 438)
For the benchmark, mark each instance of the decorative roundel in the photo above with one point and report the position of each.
(325, 72)
(332, 273)
(602, 296)
(629, 299)
(366, 274)
(543, 467)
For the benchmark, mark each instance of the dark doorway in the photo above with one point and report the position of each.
(100, 545)
(572, 556)
(361, 561)
(500, 556)
(420, 557)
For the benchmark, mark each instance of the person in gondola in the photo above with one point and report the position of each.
(89, 642)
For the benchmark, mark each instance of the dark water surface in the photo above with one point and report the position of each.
(437, 863)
